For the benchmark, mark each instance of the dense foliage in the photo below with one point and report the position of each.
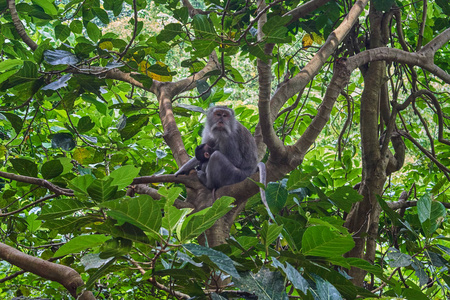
(102, 101)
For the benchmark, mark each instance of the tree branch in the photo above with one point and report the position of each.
(38, 181)
(19, 26)
(64, 275)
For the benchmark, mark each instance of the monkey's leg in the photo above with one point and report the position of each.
(220, 171)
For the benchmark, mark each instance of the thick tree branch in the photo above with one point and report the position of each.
(270, 138)
(421, 59)
(299, 82)
(19, 26)
(64, 275)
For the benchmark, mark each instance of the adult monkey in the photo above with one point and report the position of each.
(231, 149)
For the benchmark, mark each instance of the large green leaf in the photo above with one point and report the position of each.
(24, 167)
(323, 241)
(269, 233)
(215, 257)
(276, 195)
(102, 189)
(80, 243)
(266, 285)
(169, 32)
(15, 120)
(197, 223)
(60, 207)
(344, 197)
(431, 214)
(142, 211)
(126, 231)
(123, 176)
(133, 125)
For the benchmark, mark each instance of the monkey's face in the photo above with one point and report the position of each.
(221, 120)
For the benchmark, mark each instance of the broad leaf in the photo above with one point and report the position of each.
(80, 243)
(220, 260)
(323, 241)
(60, 207)
(266, 285)
(142, 211)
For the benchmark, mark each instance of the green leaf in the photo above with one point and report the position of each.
(326, 290)
(97, 275)
(80, 243)
(394, 216)
(93, 261)
(124, 176)
(398, 259)
(126, 231)
(269, 233)
(47, 5)
(16, 121)
(62, 32)
(60, 207)
(10, 64)
(323, 241)
(133, 125)
(101, 14)
(275, 30)
(68, 224)
(81, 183)
(344, 197)
(85, 124)
(197, 223)
(264, 284)
(24, 167)
(203, 47)
(169, 32)
(431, 214)
(202, 87)
(276, 195)
(142, 211)
(101, 189)
(203, 27)
(93, 32)
(144, 79)
(76, 26)
(51, 169)
(219, 259)
(383, 5)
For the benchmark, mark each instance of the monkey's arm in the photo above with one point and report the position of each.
(191, 164)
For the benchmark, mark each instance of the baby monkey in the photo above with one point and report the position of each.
(203, 153)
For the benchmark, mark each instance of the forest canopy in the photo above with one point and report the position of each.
(101, 102)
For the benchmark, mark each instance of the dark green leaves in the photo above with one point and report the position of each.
(51, 169)
(133, 125)
(24, 167)
(16, 121)
(169, 32)
(64, 141)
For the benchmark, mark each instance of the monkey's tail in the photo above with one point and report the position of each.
(262, 179)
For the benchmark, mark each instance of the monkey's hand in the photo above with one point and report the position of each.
(187, 167)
